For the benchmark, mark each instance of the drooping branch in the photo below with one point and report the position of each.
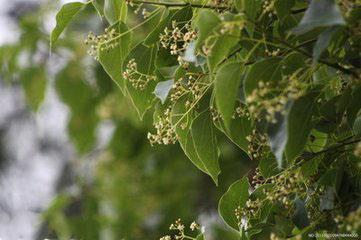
(175, 4)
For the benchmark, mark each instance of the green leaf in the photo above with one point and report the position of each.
(181, 121)
(310, 167)
(115, 11)
(236, 196)
(200, 237)
(145, 59)
(300, 217)
(63, 18)
(320, 13)
(283, 7)
(316, 141)
(265, 70)
(250, 8)
(299, 124)
(322, 43)
(153, 36)
(162, 89)
(112, 59)
(34, 83)
(206, 22)
(99, 7)
(205, 143)
(357, 126)
(238, 130)
(164, 19)
(226, 87)
(268, 166)
(221, 46)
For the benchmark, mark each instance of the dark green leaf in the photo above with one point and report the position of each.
(268, 166)
(300, 217)
(283, 7)
(357, 126)
(226, 87)
(310, 167)
(238, 130)
(299, 124)
(205, 143)
(265, 70)
(236, 196)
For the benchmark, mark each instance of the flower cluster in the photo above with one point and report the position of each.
(165, 133)
(137, 79)
(189, 84)
(177, 39)
(270, 100)
(273, 53)
(250, 210)
(216, 116)
(180, 228)
(286, 186)
(257, 179)
(357, 150)
(101, 42)
(268, 7)
(242, 111)
(231, 26)
(351, 222)
(257, 144)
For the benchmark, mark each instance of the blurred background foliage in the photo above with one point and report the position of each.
(128, 189)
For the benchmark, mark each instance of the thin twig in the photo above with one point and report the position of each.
(175, 4)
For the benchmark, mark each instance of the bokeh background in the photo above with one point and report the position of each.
(74, 158)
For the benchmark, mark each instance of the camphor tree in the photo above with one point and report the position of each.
(280, 78)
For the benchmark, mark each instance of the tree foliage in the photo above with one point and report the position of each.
(280, 79)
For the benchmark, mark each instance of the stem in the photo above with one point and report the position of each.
(175, 4)
(334, 65)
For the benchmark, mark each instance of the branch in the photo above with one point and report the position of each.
(175, 4)
(310, 156)
(334, 65)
